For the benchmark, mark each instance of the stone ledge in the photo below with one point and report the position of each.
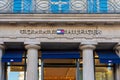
(59, 17)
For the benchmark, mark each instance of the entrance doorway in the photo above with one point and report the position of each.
(60, 69)
(60, 62)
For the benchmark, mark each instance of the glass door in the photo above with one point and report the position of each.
(59, 69)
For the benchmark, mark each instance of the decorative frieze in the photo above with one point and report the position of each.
(59, 33)
(60, 6)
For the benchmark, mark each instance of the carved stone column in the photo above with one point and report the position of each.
(32, 61)
(88, 62)
(118, 65)
(1, 52)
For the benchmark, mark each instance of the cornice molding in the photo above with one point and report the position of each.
(59, 18)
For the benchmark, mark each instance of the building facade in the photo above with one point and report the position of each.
(59, 40)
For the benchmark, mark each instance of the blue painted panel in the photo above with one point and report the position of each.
(65, 0)
(17, 6)
(103, 6)
(54, 8)
(27, 6)
(94, 6)
(65, 8)
(59, 6)
(54, 0)
(89, 6)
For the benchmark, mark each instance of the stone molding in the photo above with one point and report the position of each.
(12, 33)
(32, 46)
(87, 46)
(13, 18)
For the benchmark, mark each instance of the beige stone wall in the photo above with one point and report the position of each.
(45, 32)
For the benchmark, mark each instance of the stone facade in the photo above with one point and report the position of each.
(88, 30)
(75, 32)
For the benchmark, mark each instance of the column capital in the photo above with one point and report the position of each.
(1, 46)
(87, 46)
(31, 42)
(34, 46)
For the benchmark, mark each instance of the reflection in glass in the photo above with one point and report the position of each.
(58, 69)
(104, 73)
(60, 73)
(15, 72)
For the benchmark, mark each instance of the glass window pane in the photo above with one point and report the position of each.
(104, 73)
(59, 69)
(60, 73)
(15, 73)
